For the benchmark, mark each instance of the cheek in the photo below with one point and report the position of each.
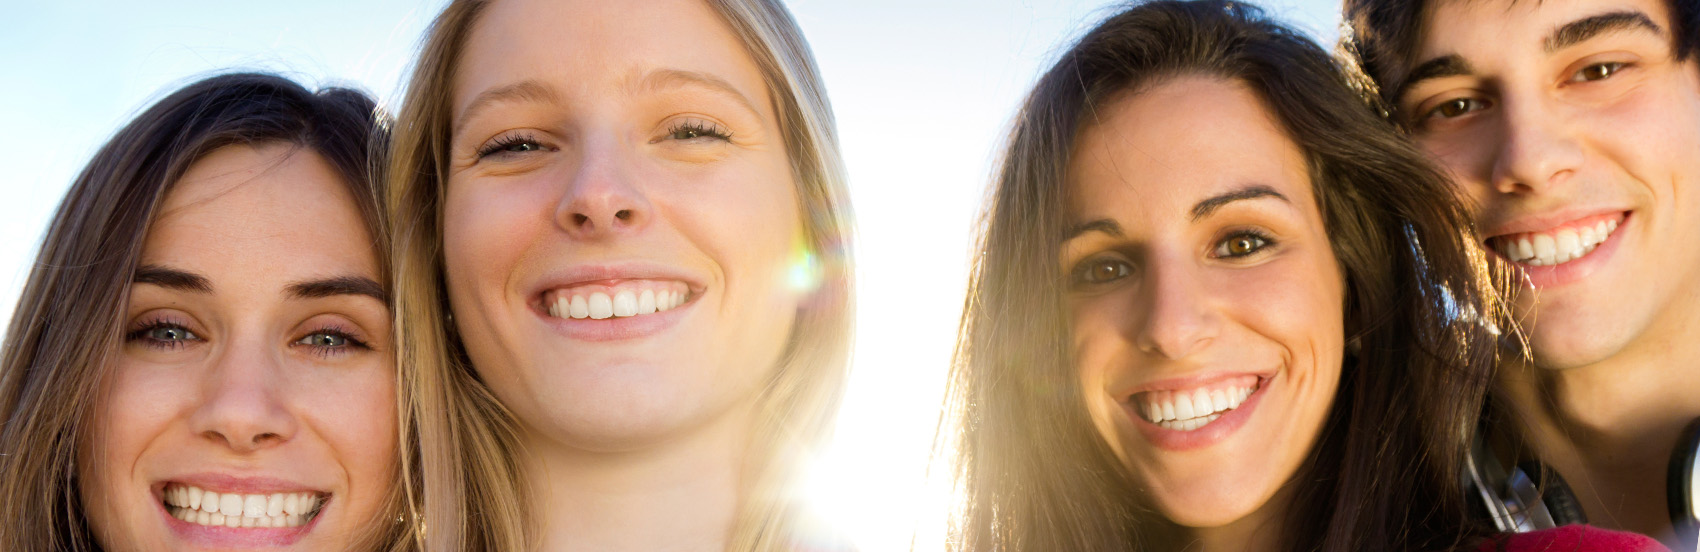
(130, 417)
(356, 416)
(486, 228)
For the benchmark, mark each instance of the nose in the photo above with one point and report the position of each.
(1539, 148)
(1179, 319)
(243, 404)
(602, 198)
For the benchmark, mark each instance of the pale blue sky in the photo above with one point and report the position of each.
(923, 91)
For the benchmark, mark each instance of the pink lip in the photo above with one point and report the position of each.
(1553, 221)
(1210, 434)
(618, 328)
(1566, 273)
(206, 536)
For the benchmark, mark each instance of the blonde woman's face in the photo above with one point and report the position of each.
(252, 404)
(620, 219)
(1205, 300)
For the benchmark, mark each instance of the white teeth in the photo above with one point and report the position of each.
(194, 505)
(625, 304)
(613, 303)
(1183, 406)
(1555, 247)
(601, 306)
(1187, 410)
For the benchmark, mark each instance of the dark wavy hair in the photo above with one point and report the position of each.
(69, 320)
(1033, 471)
(1381, 39)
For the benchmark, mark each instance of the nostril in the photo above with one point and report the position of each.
(580, 219)
(624, 214)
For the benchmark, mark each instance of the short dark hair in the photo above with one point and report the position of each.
(1036, 474)
(1381, 39)
(69, 318)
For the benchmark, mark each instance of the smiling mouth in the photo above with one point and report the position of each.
(202, 507)
(1558, 245)
(625, 299)
(1193, 408)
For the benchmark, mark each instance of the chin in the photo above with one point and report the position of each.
(1213, 504)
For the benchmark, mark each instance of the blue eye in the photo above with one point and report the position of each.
(331, 341)
(162, 335)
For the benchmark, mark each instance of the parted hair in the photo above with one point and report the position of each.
(1032, 471)
(69, 321)
(469, 473)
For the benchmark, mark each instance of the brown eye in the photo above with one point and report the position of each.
(1240, 245)
(1453, 108)
(1598, 71)
(1101, 271)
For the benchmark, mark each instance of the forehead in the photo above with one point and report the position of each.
(1480, 29)
(1157, 152)
(587, 48)
(252, 216)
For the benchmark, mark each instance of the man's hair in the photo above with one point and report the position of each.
(1381, 38)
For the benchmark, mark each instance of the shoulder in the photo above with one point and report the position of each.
(1573, 538)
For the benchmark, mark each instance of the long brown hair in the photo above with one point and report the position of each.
(1033, 472)
(469, 473)
(69, 320)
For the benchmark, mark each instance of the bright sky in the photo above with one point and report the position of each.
(923, 90)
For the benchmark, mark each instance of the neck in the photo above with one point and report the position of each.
(1610, 427)
(680, 495)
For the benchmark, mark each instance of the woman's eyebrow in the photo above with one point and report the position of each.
(531, 90)
(345, 285)
(1210, 205)
(1105, 226)
(675, 78)
(172, 278)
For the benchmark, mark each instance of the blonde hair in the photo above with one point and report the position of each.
(467, 468)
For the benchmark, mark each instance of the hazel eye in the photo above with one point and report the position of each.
(323, 339)
(1240, 245)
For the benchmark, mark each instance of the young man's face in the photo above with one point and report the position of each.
(1577, 132)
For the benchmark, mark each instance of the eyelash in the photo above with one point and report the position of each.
(1082, 275)
(141, 331)
(501, 144)
(1264, 243)
(325, 351)
(702, 129)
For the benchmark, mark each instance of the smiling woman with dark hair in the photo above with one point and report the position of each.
(1218, 303)
(201, 357)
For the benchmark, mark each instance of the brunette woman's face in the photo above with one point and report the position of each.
(1205, 300)
(619, 221)
(252, 403)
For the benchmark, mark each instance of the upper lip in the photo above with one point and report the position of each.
(224, 483)
(1544, 221)
(1189, 381)
(610, 273)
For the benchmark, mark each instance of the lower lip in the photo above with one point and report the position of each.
(1566, 273)
(617, 328)
(208, 536)
(1212, 433)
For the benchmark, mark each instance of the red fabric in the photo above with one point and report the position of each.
(1573, 538)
